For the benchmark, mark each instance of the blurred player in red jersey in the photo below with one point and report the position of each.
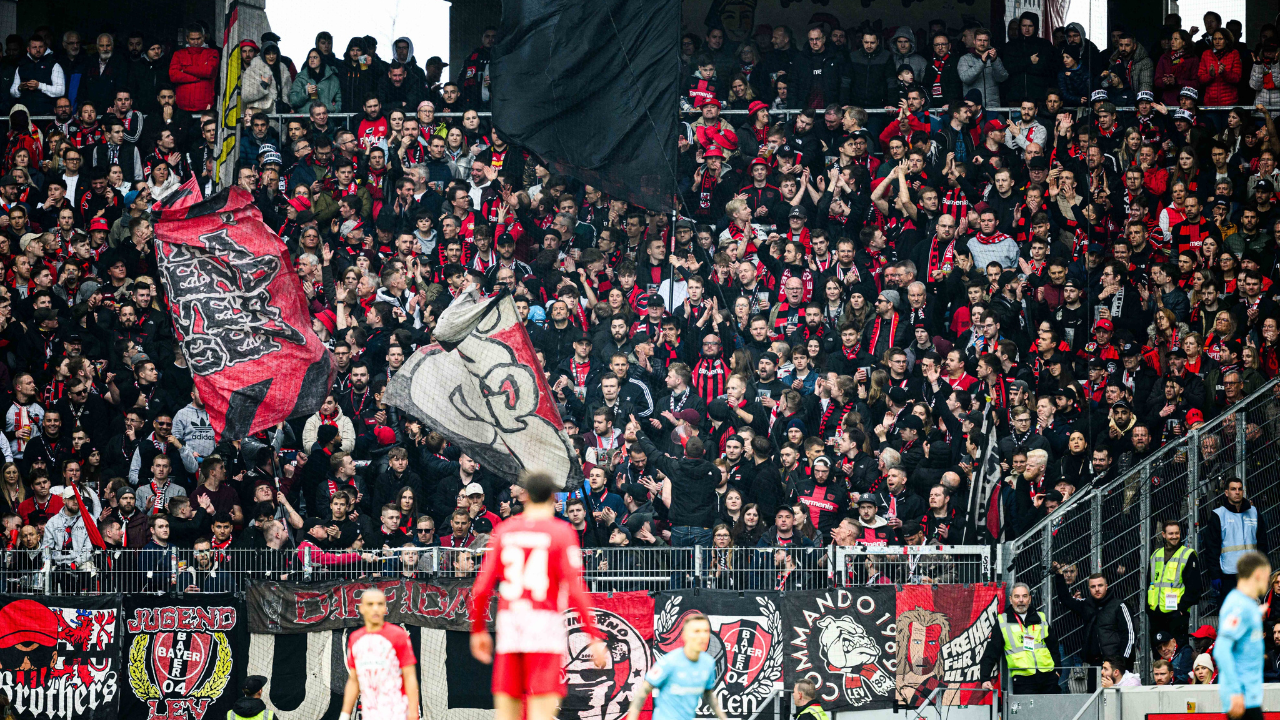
(383, 674)
(534, 561)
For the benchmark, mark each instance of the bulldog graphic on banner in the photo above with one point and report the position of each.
(843, 641)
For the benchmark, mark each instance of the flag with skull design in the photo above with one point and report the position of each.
(239, 311)
(482, 387)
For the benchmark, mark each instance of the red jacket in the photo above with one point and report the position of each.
(194, 73)
(1220, 88)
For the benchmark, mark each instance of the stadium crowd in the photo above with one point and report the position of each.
(803, 358)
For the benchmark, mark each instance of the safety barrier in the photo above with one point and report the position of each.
(612, 569)
(1113, 529)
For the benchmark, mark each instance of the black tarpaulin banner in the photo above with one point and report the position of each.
(184, 659)
(842, 640)
(284, 608)
(71, 652)
(590, 86)
(746, 641)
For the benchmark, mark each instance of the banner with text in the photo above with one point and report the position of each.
(941, 633)
(60, 657)
(746, 642)
(284, 608)
(843, 641)
(186, 660)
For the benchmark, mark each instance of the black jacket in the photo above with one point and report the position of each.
(693, 496)
(828, 71)
(1108, 624)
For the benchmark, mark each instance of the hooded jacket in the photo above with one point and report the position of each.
(1140, 69)
(911, 57)
(355, 79)
(693, 500)
(1027, 78)
(258, 86)
(415, 75)
(1090, 56)
(247, 707)
(328, 90)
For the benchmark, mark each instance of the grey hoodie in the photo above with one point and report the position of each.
(912, 58)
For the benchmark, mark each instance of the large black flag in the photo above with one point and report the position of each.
(591, 87)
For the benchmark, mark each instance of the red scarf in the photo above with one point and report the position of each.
(875, 333)
(157, 496)
(942, 263)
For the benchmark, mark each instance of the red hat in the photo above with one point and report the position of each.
(710, 101)
(1194, 416)
(27, 621)
(993, 125)
(99, 224)
(300, 203)
(713, 151)
(1104, 324)
(385, 435)
(1204, 631)
(755, 107)
(756, 161)
(328, 319)
(249, 43)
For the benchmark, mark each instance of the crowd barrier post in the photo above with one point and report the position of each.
(1242, 459)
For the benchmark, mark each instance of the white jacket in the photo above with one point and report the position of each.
(345, 429)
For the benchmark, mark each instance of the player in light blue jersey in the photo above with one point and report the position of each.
(1238, 650)
(682, 677)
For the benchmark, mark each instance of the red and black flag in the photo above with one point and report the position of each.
(239, 310)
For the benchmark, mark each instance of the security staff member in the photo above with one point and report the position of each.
(808, 707)
(1029, 647)
(1174, 585)
(251, 706)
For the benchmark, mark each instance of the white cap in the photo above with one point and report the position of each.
(474, 489)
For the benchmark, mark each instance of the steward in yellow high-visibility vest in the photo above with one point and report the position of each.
(251, 707)
(1027, 644)
(808, 706)
(1173, 585)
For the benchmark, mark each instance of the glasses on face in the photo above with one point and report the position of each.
(426, 531)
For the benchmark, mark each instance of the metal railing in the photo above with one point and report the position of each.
(1113, 529)
(179, 571)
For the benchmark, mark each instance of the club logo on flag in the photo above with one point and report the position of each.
(603, 693)
(190, 666)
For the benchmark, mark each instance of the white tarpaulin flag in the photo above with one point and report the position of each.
(481, 387)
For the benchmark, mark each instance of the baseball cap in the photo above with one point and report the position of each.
(1264, 185)
(993, 125)
(1122, 405)
(911, 422)
(254, 683)
(1104, 324)
(709, 101)
(1038, 163)
(1130, 350)
(1163, 637)
(1072, 282)
(474, 489)
(1194, 416)
(1205, 631)
(770, 356)
(690, 416)
(868, 499)
(798, 211)
(435, 60)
